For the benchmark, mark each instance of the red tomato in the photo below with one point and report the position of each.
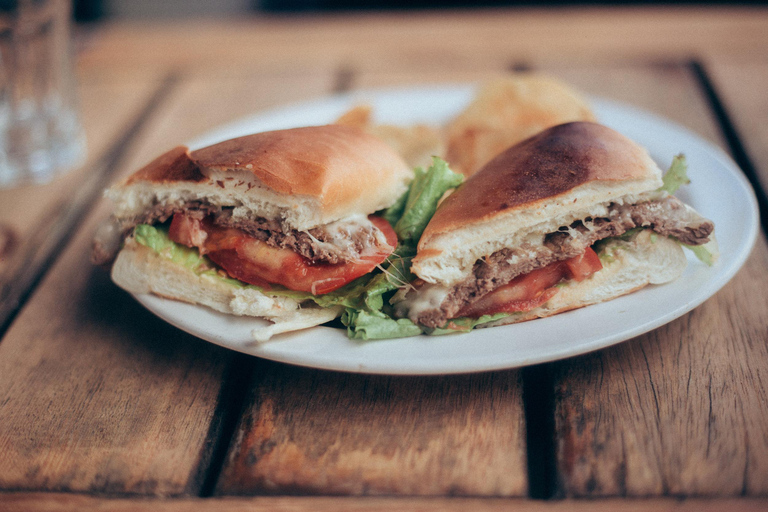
(583, 266)
(187, 230)
(523, 293)
(532, 290)
(236, 266)
(255, 262)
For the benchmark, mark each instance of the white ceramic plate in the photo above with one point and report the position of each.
(719, 191)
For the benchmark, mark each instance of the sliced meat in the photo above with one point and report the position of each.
(672, 217)
(334, 243)
(668, 216)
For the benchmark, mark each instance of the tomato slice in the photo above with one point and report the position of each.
(523, 293)
(582, 266)
(255, 262)
(187, 231)
(532, 290)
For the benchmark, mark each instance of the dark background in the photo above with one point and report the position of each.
(96, 10)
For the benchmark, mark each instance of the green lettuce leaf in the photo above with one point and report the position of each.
(464, 324)
(702, 253)
(706, 253)
(676, 176)
(156, 238)
(409, 216)
(425, 192)
(394, 212)
(372, 325)
(396, 272)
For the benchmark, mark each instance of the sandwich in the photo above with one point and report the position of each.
(276, 225)
(573, 216)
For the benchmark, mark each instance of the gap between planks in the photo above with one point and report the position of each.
(538, 381)
(732, 138)
(231, 400)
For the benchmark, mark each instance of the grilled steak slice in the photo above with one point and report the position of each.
(334, 243)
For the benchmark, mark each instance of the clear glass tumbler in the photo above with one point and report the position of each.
(40, 130)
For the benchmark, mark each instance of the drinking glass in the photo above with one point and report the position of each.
(40, 130)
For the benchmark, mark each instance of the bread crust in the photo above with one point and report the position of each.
(302, 177)
(172, 166)
(335, 164)
(540, 169)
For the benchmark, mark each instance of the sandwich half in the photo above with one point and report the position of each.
(271, 225)
(576, 215)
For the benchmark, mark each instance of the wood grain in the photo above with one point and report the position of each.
(741, 86)
(96, 394)
(681, 410)
(461, 39)
(20, 502)
(203, 102)
(307, 431)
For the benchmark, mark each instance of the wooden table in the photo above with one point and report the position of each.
(103, 406)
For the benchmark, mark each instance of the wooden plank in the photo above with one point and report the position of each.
(18, 502)
(205, 102)
(96, 394)
(741, 86)
(679, 411)
(89, 383)
(316, 432)
(466, 39)
(59, 210)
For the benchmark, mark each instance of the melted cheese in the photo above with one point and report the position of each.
(340, 235)
(414, 302)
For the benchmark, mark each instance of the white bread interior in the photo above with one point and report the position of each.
(139, 270)
(240, 190)
(645, 259)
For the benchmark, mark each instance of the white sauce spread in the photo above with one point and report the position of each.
(412, 303)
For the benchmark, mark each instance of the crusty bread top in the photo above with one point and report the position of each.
(175, 165)
(303, 177)
(568, 172)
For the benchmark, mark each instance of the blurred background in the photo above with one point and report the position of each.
(96, 10)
